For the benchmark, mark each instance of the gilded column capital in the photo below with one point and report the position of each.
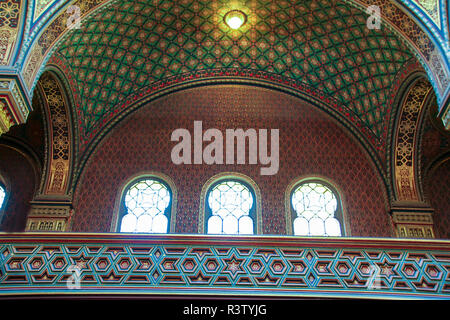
(47, 216)
(14, 103)
(413, 221)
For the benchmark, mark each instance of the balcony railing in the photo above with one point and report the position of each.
(182, 265)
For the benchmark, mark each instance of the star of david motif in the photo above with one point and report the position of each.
(234, 266)
(81, 262)
(387, 270)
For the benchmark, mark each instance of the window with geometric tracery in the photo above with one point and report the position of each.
(230, 208)
(316, 210)
(146, 207)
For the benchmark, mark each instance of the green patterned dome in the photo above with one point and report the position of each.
(325, 44)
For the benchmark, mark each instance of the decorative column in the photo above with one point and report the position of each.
(14, 99)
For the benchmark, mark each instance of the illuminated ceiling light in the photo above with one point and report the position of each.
(235, 19)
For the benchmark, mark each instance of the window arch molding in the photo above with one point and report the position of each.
(224, 176)
(341, 209)
(119, 205)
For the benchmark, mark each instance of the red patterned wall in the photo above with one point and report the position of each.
(438, 192)
(311, 143)
(18, 171)
(436, 181)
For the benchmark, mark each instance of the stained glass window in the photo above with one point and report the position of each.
(231, 205)
(315, 209)
(2, 195)
(147, 207)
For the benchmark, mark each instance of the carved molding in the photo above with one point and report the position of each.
(49, 217)
(60, 136)
(413, 222)
(405, 142)
(14, 105)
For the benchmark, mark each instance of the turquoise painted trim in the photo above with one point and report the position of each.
(175, 265)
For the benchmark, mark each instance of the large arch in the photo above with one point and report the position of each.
(309, 69)
(412, 216)
(51, 208)
(141, 141)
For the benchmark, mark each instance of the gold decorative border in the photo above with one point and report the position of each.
(405, 140)
(414, 231)
(45, 225)
(9, 30)
(56, 109)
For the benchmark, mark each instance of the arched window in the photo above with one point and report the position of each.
(2, 196)
(316, 210)
(146, 206)
(230, 208)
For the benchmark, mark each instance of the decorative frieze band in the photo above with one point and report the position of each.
(125, 264)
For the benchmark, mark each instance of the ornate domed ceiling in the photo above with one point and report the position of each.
(324, 45)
